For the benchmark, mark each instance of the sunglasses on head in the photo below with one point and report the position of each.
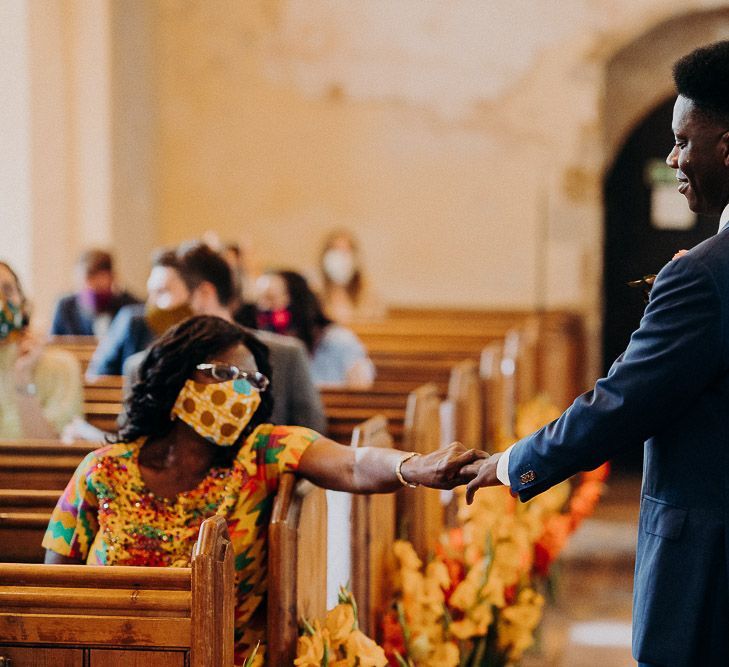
(221, 372)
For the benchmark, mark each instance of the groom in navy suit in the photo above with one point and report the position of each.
(670, 388)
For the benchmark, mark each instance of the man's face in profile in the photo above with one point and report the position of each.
(699, 157)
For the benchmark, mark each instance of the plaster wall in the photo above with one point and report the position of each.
(465, 144)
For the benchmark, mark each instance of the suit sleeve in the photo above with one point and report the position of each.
(108, 357)
(677, 351)
(59, 325)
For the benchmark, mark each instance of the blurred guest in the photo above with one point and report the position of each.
(40, 388)
(242, 304)
(346, 296)
(209, 281)
(136, 326)
(90, 310)
(286, 305)
(198, 441)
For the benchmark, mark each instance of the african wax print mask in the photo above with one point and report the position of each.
(12, 320)
(218, 412)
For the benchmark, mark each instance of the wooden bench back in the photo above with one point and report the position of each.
(40, 464)
(362, 531)
(82, 347)
(464, 393)
(420, 511)
(494, 408)
(86, 615)
(297, 564)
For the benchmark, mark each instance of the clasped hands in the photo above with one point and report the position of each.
(452, 466)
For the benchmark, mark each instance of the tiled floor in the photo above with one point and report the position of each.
(588, 624)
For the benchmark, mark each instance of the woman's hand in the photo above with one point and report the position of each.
(29, 349)
(444, 468)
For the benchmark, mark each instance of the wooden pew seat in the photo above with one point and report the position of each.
(80, 615)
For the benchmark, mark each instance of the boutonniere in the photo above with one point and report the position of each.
(645, 283)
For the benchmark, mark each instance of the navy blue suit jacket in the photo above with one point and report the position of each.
(670, 389)
(70, 318)
(127, 335)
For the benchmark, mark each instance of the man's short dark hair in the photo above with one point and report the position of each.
(703, 77)
(167, 258)
(200, 263)
(95, 261)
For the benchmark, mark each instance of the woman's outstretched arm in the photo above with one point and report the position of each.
(372, 469)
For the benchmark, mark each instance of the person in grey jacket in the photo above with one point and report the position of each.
(296, 399)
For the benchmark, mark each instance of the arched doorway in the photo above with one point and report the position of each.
(646, 222)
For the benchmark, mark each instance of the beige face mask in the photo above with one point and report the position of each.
(159, 319)
(218, 412)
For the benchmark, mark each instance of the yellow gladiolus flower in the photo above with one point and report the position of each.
(340, 623)
(366, 650)
(445, 655)
(483, 616)
(463, 629)
(310, 649)
(406, 555)
(465, 595)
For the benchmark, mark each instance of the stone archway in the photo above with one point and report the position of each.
(638, 75)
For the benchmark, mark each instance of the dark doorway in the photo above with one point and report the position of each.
(634, 245)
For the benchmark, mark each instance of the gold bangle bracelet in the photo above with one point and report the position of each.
(398, 469)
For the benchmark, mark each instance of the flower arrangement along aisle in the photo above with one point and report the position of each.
(476, 604)
(338, 642)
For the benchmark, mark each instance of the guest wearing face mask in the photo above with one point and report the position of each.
(40, 388)
(198, 442)
(136, 326)
(286, 305)
(345, 294)
(90, 310)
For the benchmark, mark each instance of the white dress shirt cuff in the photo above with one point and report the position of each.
(502, 467)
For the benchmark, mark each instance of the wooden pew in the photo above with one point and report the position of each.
(494, 405)
(103, 401)
(410, 336)
(420, 511)
(464, 393)
(82, 347)
(40, 464)
(361, 535)
(33, 474)
(81, 615)
(347, 408)
(297, 565)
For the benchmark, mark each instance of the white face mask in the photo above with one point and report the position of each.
(339, 266)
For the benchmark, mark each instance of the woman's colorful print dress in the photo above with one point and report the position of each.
(107, 516)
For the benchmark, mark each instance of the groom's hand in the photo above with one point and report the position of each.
(486, 476)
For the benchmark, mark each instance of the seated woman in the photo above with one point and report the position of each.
(196, 443)
(40, 388)
(345, 291)
(286, 305)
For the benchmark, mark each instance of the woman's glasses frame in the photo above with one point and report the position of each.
(223, 372)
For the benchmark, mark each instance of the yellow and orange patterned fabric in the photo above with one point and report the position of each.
(107, 516)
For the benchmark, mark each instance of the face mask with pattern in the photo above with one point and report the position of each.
(12, 320)
(218, 412)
